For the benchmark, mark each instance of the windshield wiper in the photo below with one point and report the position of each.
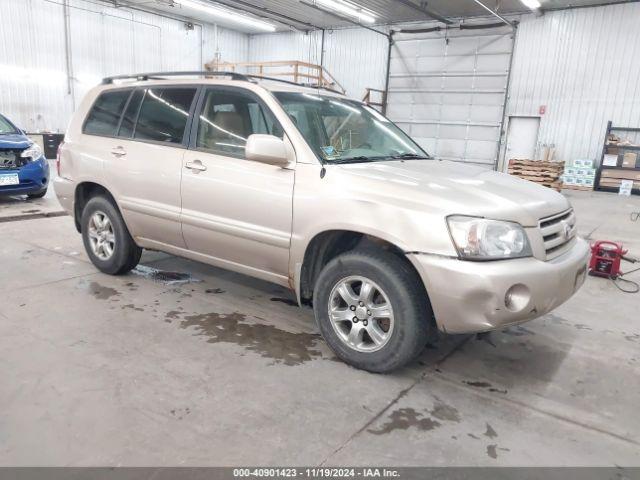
(410, 156)
(358, 159)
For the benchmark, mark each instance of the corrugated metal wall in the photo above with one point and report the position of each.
(354, 56)
(104, 41)
(584, 66)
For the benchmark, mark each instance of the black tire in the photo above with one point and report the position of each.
(126, 254)
(403, 287)
(37, 195)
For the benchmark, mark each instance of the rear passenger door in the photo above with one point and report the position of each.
(144, 165)
(235, 211)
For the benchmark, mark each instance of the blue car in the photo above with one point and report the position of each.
(23, 168)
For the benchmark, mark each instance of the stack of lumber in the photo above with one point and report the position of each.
(544, 173)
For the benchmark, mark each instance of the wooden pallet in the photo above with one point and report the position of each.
(543, 173)
(581, 188)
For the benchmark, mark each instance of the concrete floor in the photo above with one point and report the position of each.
(222, 370)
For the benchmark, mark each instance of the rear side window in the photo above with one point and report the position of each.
(130, 114)
(104, 116)
(164, 113)
(228, 118)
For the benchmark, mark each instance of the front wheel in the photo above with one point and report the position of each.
(106, 238)
(372, 310)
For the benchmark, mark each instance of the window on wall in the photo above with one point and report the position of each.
(228, 118)
(163, 115)
(104, 116)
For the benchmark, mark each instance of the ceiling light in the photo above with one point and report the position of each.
(228, 15)
(532, 4)
(347, 9)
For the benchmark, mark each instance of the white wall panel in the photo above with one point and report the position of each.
(104, 41)
(584, 66)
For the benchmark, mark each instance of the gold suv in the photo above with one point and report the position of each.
(319, 193)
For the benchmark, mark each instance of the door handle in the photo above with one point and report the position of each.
(118, 152)
(196, 166)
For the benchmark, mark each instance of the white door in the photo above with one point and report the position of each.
(447, 90)
(522, 138)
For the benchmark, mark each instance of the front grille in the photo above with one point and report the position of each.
(10, 158)
(558, 232)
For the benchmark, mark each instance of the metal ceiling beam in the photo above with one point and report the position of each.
(249, 8)
(345, 19)
(426, 11)
(495, 14)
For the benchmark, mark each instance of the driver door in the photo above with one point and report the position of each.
(236, 212)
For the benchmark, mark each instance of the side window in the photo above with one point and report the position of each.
(130, 114)
(104, 116)
(164, 113)
(228, 118)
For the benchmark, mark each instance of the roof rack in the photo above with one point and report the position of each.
(207, 73)
(261, 77)
(160, 75)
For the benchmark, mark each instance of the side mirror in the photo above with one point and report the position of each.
(266, 149)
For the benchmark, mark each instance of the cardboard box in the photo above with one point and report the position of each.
(615, 183)
(586, 172)
(570, 170)
(569, 179)
(625, 187)
(629, 160)
(620, 174)
(583, 163)
(610, 161)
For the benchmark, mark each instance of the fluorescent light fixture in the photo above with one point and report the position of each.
(347, 9)
(228, 15)
(532, 4)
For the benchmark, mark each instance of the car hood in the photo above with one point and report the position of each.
(14, 140)
(456, 188)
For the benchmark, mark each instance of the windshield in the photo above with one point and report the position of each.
(343, 131)
(6, 127)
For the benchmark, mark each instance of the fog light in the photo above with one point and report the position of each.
(517, 297)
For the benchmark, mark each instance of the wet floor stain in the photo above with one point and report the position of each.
(266, 340)
(286, 301)
(582, 326)
(492, 450)
(101, 292)
(477, 384)
(403, 419)
(131, 306)
(180, 413)
(632, 338)
(491, 433)
(163, 276)
(214, 290)
(445, 412)
(485, 385)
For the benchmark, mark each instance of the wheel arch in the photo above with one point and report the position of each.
(326, 245)
(83, 193)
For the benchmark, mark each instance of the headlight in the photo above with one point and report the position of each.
(482, 239)
(33, 151)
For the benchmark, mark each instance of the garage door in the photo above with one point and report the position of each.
(447, 90)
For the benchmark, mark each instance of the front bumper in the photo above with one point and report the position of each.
(34, 178)
(469, 297)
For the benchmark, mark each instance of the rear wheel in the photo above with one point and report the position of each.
(372, 310)
(106, 237)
